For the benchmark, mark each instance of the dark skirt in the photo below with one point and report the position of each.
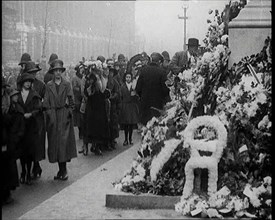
(114, 128)
(77, 116)
(129, 114)
(9, 172)
(39, 150)
(96, 125)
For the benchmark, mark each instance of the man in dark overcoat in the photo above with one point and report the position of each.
(182, 59)
(151, 89)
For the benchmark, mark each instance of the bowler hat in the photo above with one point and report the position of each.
(121, 57)
(31, 67)
(14, 92)
(165, 55)
(57, 64)
(26, 77)
(113, 70)
(25, 58)
(156, 57)
(116, 63)
(101, 58)
(145, 56)
(193, 42)
(52, 58)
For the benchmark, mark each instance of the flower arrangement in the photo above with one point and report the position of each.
(198, 161)
(241, 98)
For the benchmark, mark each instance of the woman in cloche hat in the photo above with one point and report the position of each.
(30, 101)
(12, 133)
(48, 76)
(40, 151)
(59, 105)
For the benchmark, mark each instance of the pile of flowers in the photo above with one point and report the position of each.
(241, 98)
(255, 200)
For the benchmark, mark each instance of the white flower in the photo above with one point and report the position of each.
(261, 158)
(220, 48)
(247, 82)
(138, 178)
(261, 97)
(255, 202)
(268, 202)
(202, 205)
(268, 180)
(216, 54)
(263, 123)
(118, 186)
(224, 38)
(187, 74)
(207, 57)
(140, 170)
(213, 213)
(126, 180)
(165, 153)
(134, 164)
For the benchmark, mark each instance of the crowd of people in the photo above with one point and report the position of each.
(103, 97)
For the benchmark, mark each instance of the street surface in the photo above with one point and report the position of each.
(27, 197)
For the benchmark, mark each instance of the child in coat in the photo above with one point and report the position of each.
(129, 109)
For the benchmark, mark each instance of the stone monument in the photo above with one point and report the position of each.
(248, 31)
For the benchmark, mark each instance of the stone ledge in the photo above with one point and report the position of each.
(123, 200)
(142, 201)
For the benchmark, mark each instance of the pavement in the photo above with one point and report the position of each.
(27, 197)
(86, 197)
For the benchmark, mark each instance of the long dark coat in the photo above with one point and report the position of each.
(30, 140)
(12, 133)
(129, 112)
(16, 129)
(59, 122)
(113, 86)
(76, 86)
(152, 91)
(40, 154)
(96, 128)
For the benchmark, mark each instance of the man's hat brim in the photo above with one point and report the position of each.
(57, 68)
(193, 45)
(34, 70)
(26, 78)
(23, 62)
(14, 92)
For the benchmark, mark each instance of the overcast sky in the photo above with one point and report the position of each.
(158, 22)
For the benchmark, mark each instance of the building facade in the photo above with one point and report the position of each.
(71, 29)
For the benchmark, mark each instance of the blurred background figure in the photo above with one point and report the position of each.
(78, 95)
(49, 76)
(166, 61)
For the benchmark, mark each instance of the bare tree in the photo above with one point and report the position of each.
(45, 38)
